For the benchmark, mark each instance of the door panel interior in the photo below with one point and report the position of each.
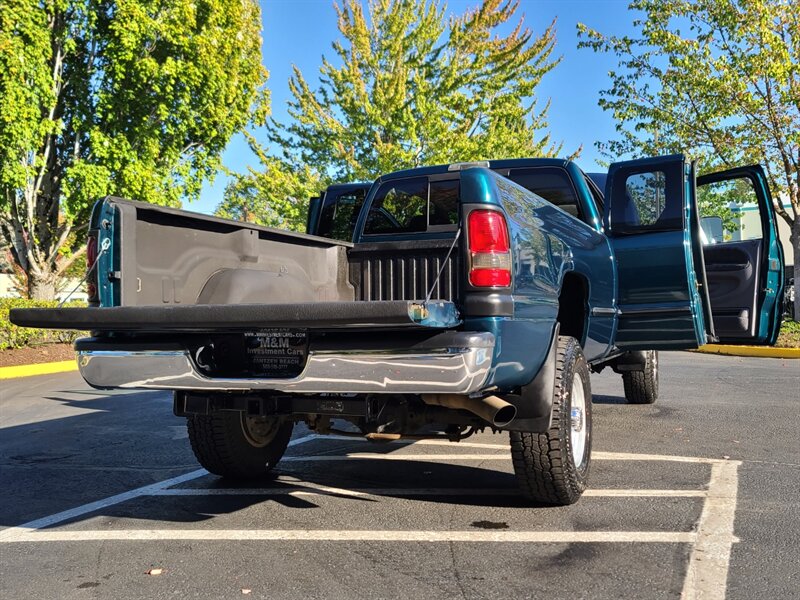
(745, 266)
(733, 271)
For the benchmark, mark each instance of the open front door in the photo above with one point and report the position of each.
(743, 255)
(652, 221)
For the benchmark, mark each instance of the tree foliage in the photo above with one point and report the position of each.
(276, 194)
(717, 78)
(136, 98)
(409, 86)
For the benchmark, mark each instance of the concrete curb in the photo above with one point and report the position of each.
(38, 369)
(757, 351)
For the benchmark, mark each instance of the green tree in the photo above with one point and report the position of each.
(719, 79)
(275, 195)
(409, 86)
(136, 98)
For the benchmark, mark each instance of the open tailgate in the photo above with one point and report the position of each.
(401, 314)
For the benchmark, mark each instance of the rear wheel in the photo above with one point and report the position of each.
(232, 444)
(553, 467)
(641, 387)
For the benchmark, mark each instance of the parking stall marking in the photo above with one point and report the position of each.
(711, 541)
(310, 489)
(11, 533)
(711, 552)
(359, 535)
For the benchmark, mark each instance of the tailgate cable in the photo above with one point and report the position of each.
(441, 269)
(103, 247)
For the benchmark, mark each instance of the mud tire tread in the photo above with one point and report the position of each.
(220, 446)
(641, 387)
(543, 462)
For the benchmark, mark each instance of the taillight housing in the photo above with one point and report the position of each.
(91, 275)
(489, 249)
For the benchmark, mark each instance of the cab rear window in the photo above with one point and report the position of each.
(339, 213)
(413, 205)
(551, 183)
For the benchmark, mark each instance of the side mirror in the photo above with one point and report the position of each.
(711, 230)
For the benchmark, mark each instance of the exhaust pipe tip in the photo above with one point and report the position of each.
(504, 416)
(495, 410)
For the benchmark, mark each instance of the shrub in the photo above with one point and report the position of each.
(12, 336)
(790, 334)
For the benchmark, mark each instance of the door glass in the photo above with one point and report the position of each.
(647, 201)
(647, 194)
(735, 204)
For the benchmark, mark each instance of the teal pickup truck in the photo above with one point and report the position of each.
(434, 302)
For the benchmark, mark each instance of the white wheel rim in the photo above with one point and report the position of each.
(577, 418)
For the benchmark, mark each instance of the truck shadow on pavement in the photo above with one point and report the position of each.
(603, 399)
(91, 445)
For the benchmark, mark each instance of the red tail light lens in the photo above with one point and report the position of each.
(487, 231)
(490, 259)
(91, 251)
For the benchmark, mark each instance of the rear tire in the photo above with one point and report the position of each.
(553, 467)
(231, 444)
(641, 387)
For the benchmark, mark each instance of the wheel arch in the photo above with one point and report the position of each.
(573, 306)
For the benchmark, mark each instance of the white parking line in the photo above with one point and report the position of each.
(10, 532)
(401, 457)
(596, 454)
(358, 535)
(707, 574)
(712, 541)
(314, 490)
(505, 456)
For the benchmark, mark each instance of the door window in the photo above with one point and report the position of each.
(644, 201)
(729, 211)
(647, 193)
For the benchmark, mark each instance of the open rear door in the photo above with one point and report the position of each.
(743, 255)
(652, 221)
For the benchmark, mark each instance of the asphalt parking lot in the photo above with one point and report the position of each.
(694, 497)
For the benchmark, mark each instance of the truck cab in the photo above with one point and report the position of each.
(737, 281)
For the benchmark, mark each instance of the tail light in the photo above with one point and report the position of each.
(489, 249)
(91, 275)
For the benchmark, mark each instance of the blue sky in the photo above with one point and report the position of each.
(300, 32)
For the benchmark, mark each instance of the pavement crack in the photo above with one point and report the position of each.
(451, 549)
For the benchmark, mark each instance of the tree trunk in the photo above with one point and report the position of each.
(42, 287)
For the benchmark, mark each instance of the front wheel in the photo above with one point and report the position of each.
(232, 444)
(641, 387)
(553, 467)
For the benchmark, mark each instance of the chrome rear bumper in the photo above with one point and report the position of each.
(458, 369)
